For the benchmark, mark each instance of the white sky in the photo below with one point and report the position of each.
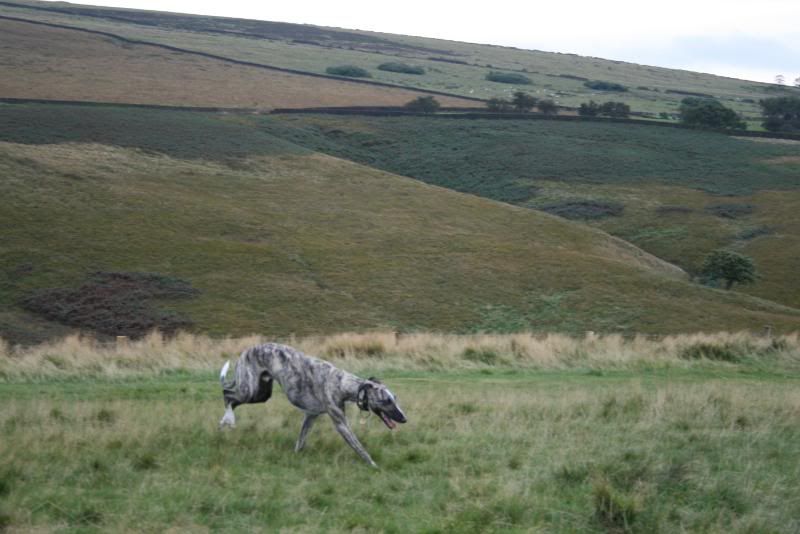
(750, 39)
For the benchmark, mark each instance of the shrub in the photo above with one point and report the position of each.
(599, 85)
(589, 109)
(609, 109)
(548, 107)
(508, 77)
(499, 104)
(348, 70)
(615, 109)
(730, 267)
(584, 209)
(523, 101)
(396, 66)
(709, 113)
(781, 113)
(424, 104)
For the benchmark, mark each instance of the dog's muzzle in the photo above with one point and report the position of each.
(390, 416)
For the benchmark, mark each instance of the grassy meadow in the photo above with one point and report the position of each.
(505, 433)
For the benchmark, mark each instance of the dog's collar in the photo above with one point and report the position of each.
(361, 397)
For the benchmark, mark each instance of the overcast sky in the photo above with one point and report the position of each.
(747, 39)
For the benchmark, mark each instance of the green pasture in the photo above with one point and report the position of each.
(699, 449)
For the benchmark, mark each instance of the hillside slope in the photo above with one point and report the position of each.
(278, 239)
(450, 67)
(62, 64)
(679, 194)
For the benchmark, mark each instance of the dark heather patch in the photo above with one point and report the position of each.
(730, 211)
(114, 303)
(584, 209)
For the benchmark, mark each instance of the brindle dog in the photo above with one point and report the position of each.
(313, 385)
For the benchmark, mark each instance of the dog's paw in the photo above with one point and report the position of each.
(227, 422)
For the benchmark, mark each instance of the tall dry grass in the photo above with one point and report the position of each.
(386, 350)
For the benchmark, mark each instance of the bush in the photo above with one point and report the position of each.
(548, 107)
(508, 77)
(523, 101)
(499, 104)
(396, 66)
(615, 109)
(424, 104)
(599, 85)
(609, 109)
(584, 209)
(348, 70)
(590, 109)
(781, 113)
(730, 267)
(709, 113)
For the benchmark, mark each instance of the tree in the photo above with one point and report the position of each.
(730, 267)
(709, 113)
(615, 109)
(548, 107)
(797, 82)
(424, 104)
(779, 79)
(781, 113)
(590, 109)
(523, 101)
(499, 104)
(609, 109)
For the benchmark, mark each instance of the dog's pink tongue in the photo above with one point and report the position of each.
(388, 421)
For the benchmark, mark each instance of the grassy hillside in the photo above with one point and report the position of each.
(673, 187)
(278, 239)
(457, 68)
(61, 64)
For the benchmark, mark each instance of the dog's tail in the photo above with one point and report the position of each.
(222, 375)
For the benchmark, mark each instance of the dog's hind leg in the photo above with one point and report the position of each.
(308, 422)
(249, 386)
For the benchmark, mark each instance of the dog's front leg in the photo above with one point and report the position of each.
(340, 422)
(308, 422)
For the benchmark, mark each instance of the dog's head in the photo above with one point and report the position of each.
(375, 397)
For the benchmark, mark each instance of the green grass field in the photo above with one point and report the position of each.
(630, 439)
